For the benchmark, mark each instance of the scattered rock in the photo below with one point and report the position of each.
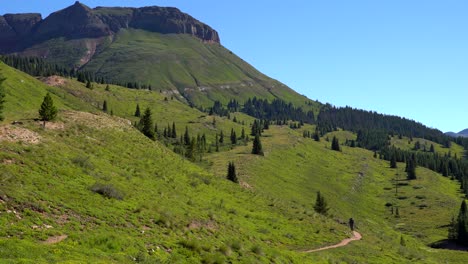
(18, 134)
(55, 239)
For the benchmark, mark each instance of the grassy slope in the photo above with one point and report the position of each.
(406, 144)
(177, 62)
(356, 185)
(194, 212)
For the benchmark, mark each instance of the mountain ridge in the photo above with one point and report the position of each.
(80, 21)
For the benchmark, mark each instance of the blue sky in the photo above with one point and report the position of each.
(407, 58)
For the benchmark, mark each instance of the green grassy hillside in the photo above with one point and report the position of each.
(177, 64)
(91, 188)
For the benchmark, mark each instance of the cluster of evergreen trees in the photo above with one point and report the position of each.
(373, 128)
(277, 110)
(458, 230)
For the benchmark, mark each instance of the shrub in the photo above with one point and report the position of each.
(107, 190)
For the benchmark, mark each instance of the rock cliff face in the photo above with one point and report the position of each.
(18, 31)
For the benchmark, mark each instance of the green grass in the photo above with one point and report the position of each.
(120, 197)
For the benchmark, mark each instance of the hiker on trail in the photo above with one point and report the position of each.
(351, 224)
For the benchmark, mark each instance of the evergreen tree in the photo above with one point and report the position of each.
(186, 136)
(48, 111)
(393, 161)
(335, 145)
(104, 106)
(137, 111)
(146, 124)
(89, 85)
(432, 148)
(233, 137)
(173, 131)
(462, 224)
(221, 137)
(321, 206)
(243, 134)
(411, 167)
(316, 136)
(107, 88)
(257, 146)
(2, 98)
(231, 175)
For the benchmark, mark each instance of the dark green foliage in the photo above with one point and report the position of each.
(432, 148)
(257, 146)
(47, 111)
(276, 110)
(411, 167)
(107, 190)
(137, 111)
(186, 136)
(233, 137)
(2, 98)
(321, 206)
(231, 175)
(146, 124)
(221, 137)
(256, 128)
(458, 229)
(393, 161)
(104, 106)
(335, 145)
(173, 131)
(316, 136)
(89, 85)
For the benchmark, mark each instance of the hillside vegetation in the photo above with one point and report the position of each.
(90, 187)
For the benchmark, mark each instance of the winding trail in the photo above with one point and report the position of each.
(344, 242)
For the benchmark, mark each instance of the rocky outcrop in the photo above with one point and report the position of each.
(18, 31)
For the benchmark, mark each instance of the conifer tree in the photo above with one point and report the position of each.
(411, 167)
(257, 146)
(104, 106)
(89, 85)
(107, 88)
(221, 137)
(2, 98)
(231, 175)
(335, 145)
(432, 148)
(233, 137)
(462, 224)
(137, 111)
(316, 136)
(173, 131)
(243, 133)
(321, 206)
(146, 124)
(47, 111)
(393, 161)
(186, 136)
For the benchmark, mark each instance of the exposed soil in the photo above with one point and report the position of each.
(55, 239)
(344, 242)
(53, 80)
(18, 134)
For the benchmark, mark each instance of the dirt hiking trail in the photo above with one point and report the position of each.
(344, 242)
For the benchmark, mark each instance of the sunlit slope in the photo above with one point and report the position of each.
(356, 185)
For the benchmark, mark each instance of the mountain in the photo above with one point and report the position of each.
(463, 133)
(160, 47)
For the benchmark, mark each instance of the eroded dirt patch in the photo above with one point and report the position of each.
(53, 80)
(99, 121)
(55, 239)
(18, 134)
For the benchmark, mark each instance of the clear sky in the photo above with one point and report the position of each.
(401, 57)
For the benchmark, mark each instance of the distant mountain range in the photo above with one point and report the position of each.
(463, 133)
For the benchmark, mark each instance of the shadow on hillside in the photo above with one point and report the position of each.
(448, 244)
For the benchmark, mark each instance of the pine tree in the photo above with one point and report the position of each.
(107, 88)
(137, 111)
(104, 106)
(173, 131)
(146, 124)
(321, 206)
(462, 224)
(221, 137)
(48, 111)
(393, 161)
(89, 85)
(316, 136)
(231, 175)
(335, 145)
(2, 98)
(233, 137)
(411, 167)
(243, 134)
(186, 136)
(257, 146)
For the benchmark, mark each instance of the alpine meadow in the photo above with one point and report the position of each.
(132, 135)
